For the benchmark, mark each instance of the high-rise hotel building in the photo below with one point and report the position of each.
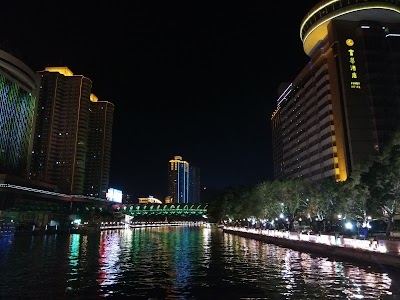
(178, 180)
(18, 97)
(73, 132)
(183, 181)
(345, 103)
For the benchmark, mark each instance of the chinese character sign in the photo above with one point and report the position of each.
(353, 67)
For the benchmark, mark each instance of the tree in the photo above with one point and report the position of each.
(324, 201)
(267, 204)
(384, 181)
(292, 196)
(355, 193)
(217, 207)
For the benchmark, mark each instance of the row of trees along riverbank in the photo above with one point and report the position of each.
(372, 190)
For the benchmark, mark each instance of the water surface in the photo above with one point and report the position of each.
(182, 262)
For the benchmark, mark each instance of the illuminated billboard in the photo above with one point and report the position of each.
(114, 195)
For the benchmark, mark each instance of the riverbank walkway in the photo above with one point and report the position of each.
(379, 250)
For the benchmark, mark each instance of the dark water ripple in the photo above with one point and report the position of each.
(178, 263)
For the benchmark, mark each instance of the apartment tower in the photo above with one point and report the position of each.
(345, 103)
(72, 142)
(98, 157)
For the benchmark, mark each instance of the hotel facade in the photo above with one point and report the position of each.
(345, 104)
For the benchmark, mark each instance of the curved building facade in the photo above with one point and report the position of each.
(314, 27)
(345, 103)
(18, 96)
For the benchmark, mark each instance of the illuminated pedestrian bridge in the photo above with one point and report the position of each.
(182, 209)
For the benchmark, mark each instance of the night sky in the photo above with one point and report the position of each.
(197, 80)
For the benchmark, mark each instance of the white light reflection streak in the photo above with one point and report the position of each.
(287, 274)
(206, 244)
(109, 252)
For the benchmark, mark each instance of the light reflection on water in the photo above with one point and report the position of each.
(178, 263)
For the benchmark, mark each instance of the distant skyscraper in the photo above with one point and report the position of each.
(178, 180)
(194, 184)
(345, 103)
(72, 143)
(18, 96)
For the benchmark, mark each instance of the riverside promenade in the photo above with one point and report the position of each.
(376, 251)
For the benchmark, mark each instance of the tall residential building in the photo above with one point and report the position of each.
(72, 142)
(178, 180)
(345, 103)
(98, 161)
(18, 97)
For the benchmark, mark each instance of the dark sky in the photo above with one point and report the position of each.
(191, 79)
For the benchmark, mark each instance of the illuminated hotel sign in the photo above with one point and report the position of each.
(354, 84)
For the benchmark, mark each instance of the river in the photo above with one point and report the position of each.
(180, 262)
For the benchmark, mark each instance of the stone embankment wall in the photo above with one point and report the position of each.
(377, 252)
